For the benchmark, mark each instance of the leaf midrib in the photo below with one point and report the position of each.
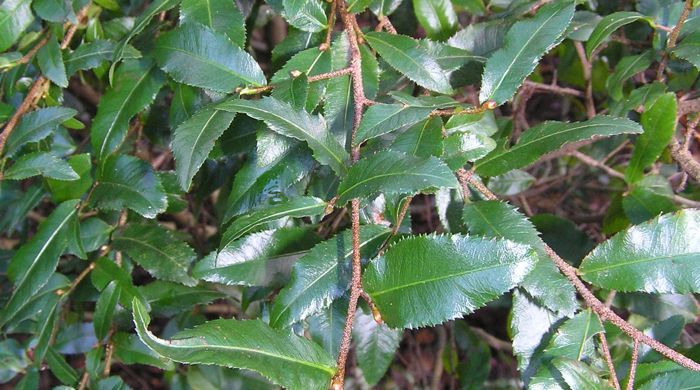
(371, 178)
(206, 60)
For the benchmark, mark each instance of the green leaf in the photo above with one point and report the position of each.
(104, 309)
(578, 375)
(60, 368)
(574, 338)
(659, 123)
(380, 119)
(458, 272)
(437, 17)
(219, 15)
(394, 173)
(51, 63)
(107, 271)
(186, 101)
(626, 68)
(544, 283)
(91, 54)
(651, 196)
(525, 43)
(285, 359)
(40, 163)
(129, 349)
(548, 137)
(34, 263)
(56, 11)
(322, 275)
(326, 327)
(35, 126)
(375, 346)
(607, 26)
(658, 256)
(295, 208)
(285, 120)
(357, 6)
(169, 299)
(194, 139)
(259, 259)
(62, 190)
(126, 181)
(158, 251)
(424, 139)
(15, 17)
(405, 54)
(307, 15)
(689, 49)
(677, 379)
(310, 62)
(136, 84)
(193, 54)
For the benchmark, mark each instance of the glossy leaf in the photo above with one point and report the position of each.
(405, 55)
(463, 273)
(437, 17)
(307, 15)
(574, 338)
(657, 257)
(158, 251)
(376, 344)
(524, 45)
(136, 83)
(193, 54)
(381, 119)
(285, 120)
(626, 68)
(44, 164)
(607, 26)
(322, 275)
(219, 15)
(424, 139)
(104, 309)
(126, 181)
(394, 173)
(73, 189)
(34, 263)
(15, 17)
(35, 126)
(285, 359)
(688, 49)
(548, 137)
(659, 123)
(51, 64)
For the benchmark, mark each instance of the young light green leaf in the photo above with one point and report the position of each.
(574, 338)
(462, 273)
(33, 264)
(375, 346)
(302, 206)
(219, 15)
(51, 64)
(35, 126)
(437, 17)
(135, 86)
(659, 256)
(380, 119)
(126, 181)
(548, 137)
(284, 358)
(15, 17)
(659, 123)
(626, 68)
(194, 139)
(299, 124)
(404, 54)
(607, 26)
(158, 251)
(193, 54)
(525, 43)
(322, 275)
(394, 173)
(40, 163)
(104, 309)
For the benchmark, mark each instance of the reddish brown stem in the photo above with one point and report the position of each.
(633, 365)
(608, 359)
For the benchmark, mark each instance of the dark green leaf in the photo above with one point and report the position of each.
(574, 338)
(285, 359)
(129, 349)
(462, 273)
(424, 139)
(356, 6)
(689, 49)
(394, 173)
(60, 368)
(51, 64)
(548, 137)
(126, 181)
(375, 346)
(307, 15)
(63, 190)
(105, 308)
(36, 125)
(382, 118)
(657, 257)
(40, 163)
(15, 17)
(92, 54)
(525, 43)
(626, 68)
(219, 15)
(193, 54)
(607, 26)
(158, 251)
(651, 196)
(326, 326)
(578, 375)
(437, 17)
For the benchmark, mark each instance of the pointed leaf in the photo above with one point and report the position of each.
(375, 346)
(607, 26)
(579, 375)
(437, 17)
(36, 125)
(126, 181)
(525, 43)
(15, 17)
(219, 15)
(307, 15)
(574, 338)
(105, 308)
(283, 119)
(51, 64)
(34, 263)
(548, 137)
(40, 163)
(322, 275)
(659, 256)
(157, 251)
(136, 83)
(461, 273)
(626, 68)
(285, 359)
(193, 54)
(326, 327)
(405, 55)
(380, 119)
(688, 49)
(424, 139)
(394, 173)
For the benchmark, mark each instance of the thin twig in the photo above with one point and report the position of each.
(587, 72)
(438, 367)
(596, 164)
(673, 37)
(608, 359)
(385, 23)
(554, 89)
(685, 159)
(331, 23)
(633, 365)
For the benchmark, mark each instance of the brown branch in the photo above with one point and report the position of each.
(604, 312)
(331, 23)
(673, 37)
(385, 23)
(489, 105)
(330, 75)
(685, 159)
(608, 359)
(587, 72)
(294, 74)
(596, 164)
(554, 89)
(633, 365)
